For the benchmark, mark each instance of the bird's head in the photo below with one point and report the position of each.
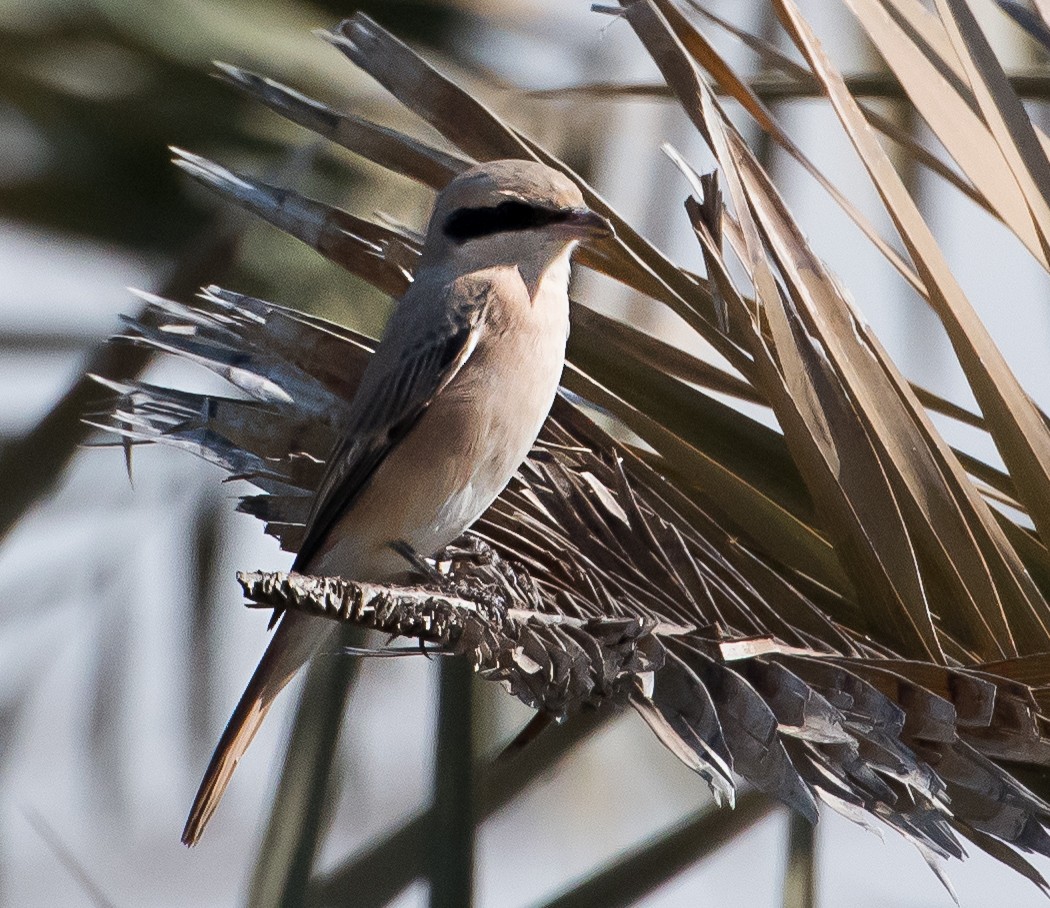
(506, 212)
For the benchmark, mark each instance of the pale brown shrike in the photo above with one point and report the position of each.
(449, 406)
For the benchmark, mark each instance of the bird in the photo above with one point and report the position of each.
(448, 408)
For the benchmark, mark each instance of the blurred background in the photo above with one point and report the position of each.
(122, 638)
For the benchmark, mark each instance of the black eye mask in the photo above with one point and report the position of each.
(470, 223)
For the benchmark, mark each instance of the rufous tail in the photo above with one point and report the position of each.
(293, 643)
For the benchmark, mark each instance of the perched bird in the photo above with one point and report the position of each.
(449, 406)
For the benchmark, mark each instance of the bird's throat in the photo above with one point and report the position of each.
(552, 274)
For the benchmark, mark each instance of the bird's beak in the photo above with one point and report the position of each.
(586, 224)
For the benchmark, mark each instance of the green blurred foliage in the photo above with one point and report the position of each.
(91, 96)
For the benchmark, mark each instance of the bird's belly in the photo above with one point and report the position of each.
(440, 477)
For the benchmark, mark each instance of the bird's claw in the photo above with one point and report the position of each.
(419, 563)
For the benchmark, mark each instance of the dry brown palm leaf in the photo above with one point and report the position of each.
(840, 401)
(1020, 431)
(749, 669)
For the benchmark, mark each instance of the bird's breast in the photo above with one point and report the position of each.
(466, 446)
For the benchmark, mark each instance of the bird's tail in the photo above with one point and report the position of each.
(296, 639)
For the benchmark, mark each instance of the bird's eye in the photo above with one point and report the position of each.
(470, 223)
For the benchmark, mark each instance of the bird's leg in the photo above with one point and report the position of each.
(420, 563)
(424, 567)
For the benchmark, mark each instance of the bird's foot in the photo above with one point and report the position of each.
(420, 564)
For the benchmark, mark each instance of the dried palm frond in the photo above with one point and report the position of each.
(837, 610)
(734, 661)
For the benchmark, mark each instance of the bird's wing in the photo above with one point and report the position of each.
(425, 345)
